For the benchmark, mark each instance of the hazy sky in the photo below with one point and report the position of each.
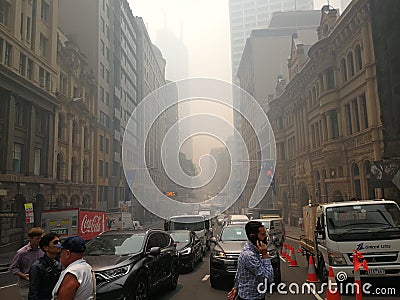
(204, 28)
(204, 25)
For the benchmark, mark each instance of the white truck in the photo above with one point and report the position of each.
(333, 230)
(119, 220)
(197, 223)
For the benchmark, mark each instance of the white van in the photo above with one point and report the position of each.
(237, 219)
(275, 228)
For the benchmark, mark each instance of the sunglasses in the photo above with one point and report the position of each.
(56, 242)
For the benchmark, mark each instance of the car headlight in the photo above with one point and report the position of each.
(186, 251)
(336, 258)
(218, 253)
(113, 274)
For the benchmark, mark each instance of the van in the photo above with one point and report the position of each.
(275, 228)
(237, 219)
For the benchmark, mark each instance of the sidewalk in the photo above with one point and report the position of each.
(293, 232)
(5, 259)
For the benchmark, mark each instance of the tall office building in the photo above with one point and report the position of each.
(244, 16)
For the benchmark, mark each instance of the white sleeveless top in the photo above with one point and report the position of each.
(83, 273)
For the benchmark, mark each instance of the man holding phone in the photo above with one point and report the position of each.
(253, 270)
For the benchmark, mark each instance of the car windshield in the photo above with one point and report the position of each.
(180, 237)
(115, 244)
(345, 221)
(233, 234)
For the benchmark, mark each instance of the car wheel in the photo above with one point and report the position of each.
(140, 287)
(173, 281)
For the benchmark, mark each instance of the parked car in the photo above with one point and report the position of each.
(133, 264)
(225, 254)
(189, 247)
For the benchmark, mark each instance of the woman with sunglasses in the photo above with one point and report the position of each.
(44, 272)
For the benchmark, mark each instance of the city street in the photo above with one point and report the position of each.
(196, 285)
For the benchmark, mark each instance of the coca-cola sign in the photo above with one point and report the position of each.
(91, 224)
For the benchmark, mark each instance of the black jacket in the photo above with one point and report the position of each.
(43, 276)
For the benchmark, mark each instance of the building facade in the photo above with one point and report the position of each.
(28, 76)
(327, 118)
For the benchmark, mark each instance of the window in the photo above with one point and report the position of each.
(101, 94)
(75, 133)
(17, 156)
(28, 28)
(42, 78)
(86, 138)
(106, 169)
(348, 119)
(102, 47)
(335, 124)
(350, 63)
(102, 70)
(22, 64)
(43, 46)
(101, 143)
(60, 126)
(73, 170)
(4, 12)
(330, 78)
(107, 98)
(44, 11)
(101, 168)
(364, 111)
(358, 55)
(356, 115)
(29, 70)
(40, 122)
(107, 146)
(59, 167)
(8, 55)
(103, 26)
(21, 26)
(19, 114)
(343, 70)
(36, 163)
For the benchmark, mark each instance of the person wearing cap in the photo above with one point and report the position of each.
(45, 271)
(23, 260)
(77, 279)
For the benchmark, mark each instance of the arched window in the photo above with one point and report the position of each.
(75, 132)
(350, 64)
(355, 171)
(358, 54)
(343, 70)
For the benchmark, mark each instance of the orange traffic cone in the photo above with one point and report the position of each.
(312, 274)
(332, 292)
(293, 259)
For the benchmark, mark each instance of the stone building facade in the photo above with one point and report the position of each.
(326, 118)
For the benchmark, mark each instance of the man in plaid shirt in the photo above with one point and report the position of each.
(253, 271)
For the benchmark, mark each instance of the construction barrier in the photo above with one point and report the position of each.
(358, 262)
(293, 259)
(333, 290)
(312, 274)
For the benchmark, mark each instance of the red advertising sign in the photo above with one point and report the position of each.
(91, 224)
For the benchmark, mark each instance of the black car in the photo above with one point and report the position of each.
(189, 247)
(133, 264)
(225, 254)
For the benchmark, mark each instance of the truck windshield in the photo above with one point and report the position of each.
(187, 223)
(356, 222)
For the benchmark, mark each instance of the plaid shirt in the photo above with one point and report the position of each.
(252, 270)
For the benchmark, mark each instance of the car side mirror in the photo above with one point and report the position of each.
(154, 251)
(275, 239)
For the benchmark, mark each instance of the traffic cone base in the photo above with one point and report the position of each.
(293, 260)
(332, 294)
(312, 274)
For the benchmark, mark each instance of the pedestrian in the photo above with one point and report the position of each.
(45, 271)
(254, 272)
(23, 260)
(77, 279)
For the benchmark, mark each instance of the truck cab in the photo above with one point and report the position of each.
(369, 226)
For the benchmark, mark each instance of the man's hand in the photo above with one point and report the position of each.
(263, 249)
(23, 276)
(232, 294)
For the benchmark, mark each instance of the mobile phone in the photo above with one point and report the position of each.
(254, 239)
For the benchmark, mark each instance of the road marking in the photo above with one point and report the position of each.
(316, 295)
(8, 286)
(205, 278)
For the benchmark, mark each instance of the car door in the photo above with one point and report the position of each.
(153, 262)
(196, 245)
(164, 257)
